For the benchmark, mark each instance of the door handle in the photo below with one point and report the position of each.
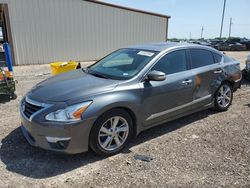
(186, 82)
(218, 71)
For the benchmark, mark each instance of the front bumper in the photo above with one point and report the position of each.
(71, 138)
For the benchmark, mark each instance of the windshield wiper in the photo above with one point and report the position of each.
(97, 74)
(85, 69)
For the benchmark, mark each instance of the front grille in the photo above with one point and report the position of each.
(30, 109)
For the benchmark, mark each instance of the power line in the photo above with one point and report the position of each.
(202, 30)
(222, 20)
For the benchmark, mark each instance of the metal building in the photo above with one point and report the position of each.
(43, 31)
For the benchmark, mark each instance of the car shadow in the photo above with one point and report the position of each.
(4, 98)
(247, 105)
(246, 83)
(19, 157)
(171, 126)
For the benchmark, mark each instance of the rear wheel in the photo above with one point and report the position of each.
(223, 97)
(111, 132)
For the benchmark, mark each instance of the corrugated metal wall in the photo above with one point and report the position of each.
(53, 30)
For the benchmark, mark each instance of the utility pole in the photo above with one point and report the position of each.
(230, 27)
(202, 29)
(222, 20)
(190, 36)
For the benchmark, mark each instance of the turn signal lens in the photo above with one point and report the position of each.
(77, 114)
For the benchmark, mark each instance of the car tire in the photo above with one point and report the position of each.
(223, 97)
(111, 132)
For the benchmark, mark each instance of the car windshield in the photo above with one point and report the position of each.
(122, 64)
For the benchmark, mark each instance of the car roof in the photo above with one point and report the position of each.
(162, 46)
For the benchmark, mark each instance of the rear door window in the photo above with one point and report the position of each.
(201, 58)
(173, 62)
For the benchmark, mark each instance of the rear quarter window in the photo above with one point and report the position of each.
(217, 58)
(228, 59)
(201, 58)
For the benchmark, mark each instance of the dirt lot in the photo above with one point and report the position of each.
(206, 149)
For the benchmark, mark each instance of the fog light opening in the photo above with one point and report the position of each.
(58, 143)
(56, 139)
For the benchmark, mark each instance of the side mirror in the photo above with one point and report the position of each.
(156, 76)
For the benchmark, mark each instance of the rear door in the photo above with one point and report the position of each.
(206, 68)
(164, 99)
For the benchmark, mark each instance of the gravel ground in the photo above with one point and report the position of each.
(206, 149)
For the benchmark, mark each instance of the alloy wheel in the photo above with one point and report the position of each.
(113, 133)
(224, 96)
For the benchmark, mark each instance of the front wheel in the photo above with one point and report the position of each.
(111, 132)
(223, 97)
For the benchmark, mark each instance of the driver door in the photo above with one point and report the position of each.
(164, 99)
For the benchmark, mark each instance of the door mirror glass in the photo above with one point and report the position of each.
(156, 76)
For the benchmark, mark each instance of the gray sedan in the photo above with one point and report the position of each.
(132, 89)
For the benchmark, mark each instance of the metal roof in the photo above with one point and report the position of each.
(128, 8)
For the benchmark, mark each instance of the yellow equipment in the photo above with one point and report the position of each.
(61, 67)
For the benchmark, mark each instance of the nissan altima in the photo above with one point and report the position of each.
(130, 90)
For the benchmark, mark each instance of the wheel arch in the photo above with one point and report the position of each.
(230, 82)
(218, 84)
(133, 117)
(217, 105)
(125, 108)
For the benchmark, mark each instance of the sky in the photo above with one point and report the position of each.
(188, 16)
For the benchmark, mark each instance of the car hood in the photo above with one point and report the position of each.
(70, 85)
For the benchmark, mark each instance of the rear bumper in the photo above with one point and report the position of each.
(237, 85)
(69, 139)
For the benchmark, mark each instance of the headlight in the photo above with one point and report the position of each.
(70, 113)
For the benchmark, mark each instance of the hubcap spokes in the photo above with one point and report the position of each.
(224, 96)
(113, 133)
